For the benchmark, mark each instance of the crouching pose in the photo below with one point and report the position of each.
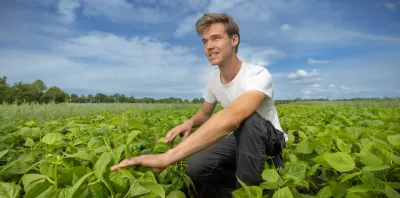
(236, 141)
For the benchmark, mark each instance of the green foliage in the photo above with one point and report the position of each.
(64, 151)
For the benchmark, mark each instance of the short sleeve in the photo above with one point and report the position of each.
(208, 94)
(260, 81)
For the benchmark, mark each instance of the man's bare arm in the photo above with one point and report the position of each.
(203, 115)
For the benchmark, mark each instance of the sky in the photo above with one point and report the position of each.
(149, 48)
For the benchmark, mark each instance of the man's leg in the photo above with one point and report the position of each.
(214, 166)
(251, 139)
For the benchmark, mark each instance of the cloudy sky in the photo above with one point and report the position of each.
(313, 49)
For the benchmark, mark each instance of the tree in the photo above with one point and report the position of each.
(74, 98)
(37, 88)
(54, 94)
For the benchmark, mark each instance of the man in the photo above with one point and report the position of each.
(245, 91)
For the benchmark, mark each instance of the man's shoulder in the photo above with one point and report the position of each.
(255, 70)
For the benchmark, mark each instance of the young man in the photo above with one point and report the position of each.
(245, 91)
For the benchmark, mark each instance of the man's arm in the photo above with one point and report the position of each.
(217, 126)
(203, 115)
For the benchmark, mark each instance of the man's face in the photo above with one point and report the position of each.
(217, 44)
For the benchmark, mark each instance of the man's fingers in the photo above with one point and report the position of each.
(185, 136)
(125, 163)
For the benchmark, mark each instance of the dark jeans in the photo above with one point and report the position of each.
(240, 154)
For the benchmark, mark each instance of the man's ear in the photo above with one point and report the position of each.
(235, 40)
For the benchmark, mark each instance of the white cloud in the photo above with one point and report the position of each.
(258, 55)
(286, 27)
(312, 61)
(315, 85)
(187, 25)
(332, 86)
(344, 88)
(390, 5)
(331, 34)
(121, 10)
(66, 8)
(303, 77)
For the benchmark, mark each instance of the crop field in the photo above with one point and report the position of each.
(66, 150)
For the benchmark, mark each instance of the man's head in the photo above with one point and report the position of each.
(220, 36)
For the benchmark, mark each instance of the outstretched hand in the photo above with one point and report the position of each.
(157, 161)
(185, 129)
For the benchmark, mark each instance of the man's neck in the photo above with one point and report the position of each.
(229, 69)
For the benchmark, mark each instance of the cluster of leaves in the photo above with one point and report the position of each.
(71, 156)
(335, 152)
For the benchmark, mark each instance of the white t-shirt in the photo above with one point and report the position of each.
(250, 77)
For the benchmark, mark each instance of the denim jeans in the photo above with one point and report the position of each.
(242, 154)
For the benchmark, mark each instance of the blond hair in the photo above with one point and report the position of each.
(208, 19)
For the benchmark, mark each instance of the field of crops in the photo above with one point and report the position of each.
(66, 151)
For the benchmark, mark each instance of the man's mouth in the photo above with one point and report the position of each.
(213, 54)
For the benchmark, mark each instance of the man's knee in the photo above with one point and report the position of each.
(196, 168)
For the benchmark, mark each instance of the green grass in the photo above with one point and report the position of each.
(390, 103)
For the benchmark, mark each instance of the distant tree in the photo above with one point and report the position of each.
(37, 88)
(90, 99)
(100, 98)
(4, 90)
(54, 94)
(74, 98)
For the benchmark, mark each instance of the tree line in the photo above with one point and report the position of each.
(38, 92)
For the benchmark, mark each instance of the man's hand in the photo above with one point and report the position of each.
(184, 128)
(157, 161)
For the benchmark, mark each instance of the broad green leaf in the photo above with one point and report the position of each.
(349, 176)
(295, 169)
(340, 161)
(118, 151)
(40, 188)
(66, 178)
(97, 190)
(52, 138)
(268, 185)
(283, 193)
(374, 168)
(248, 191)
(369, 159)
(305, 184)
(30, 180)
(47, 168)
(289, 179)
(102, 164)
(370, 179)
(313, 169)
(324, 192)
(342, 146)
(390, 192)
(78, 184)
(132, 135)
(82, 155)
(361, 188)
(394, 139)
(270, 175)
(120, 183)
(154, 187)
(9, 190)
(29, 142)
(176, 194)
(304, 147)
(136, 189)
(395, 185)
(2, 153)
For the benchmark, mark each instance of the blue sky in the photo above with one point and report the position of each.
(313, 49)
